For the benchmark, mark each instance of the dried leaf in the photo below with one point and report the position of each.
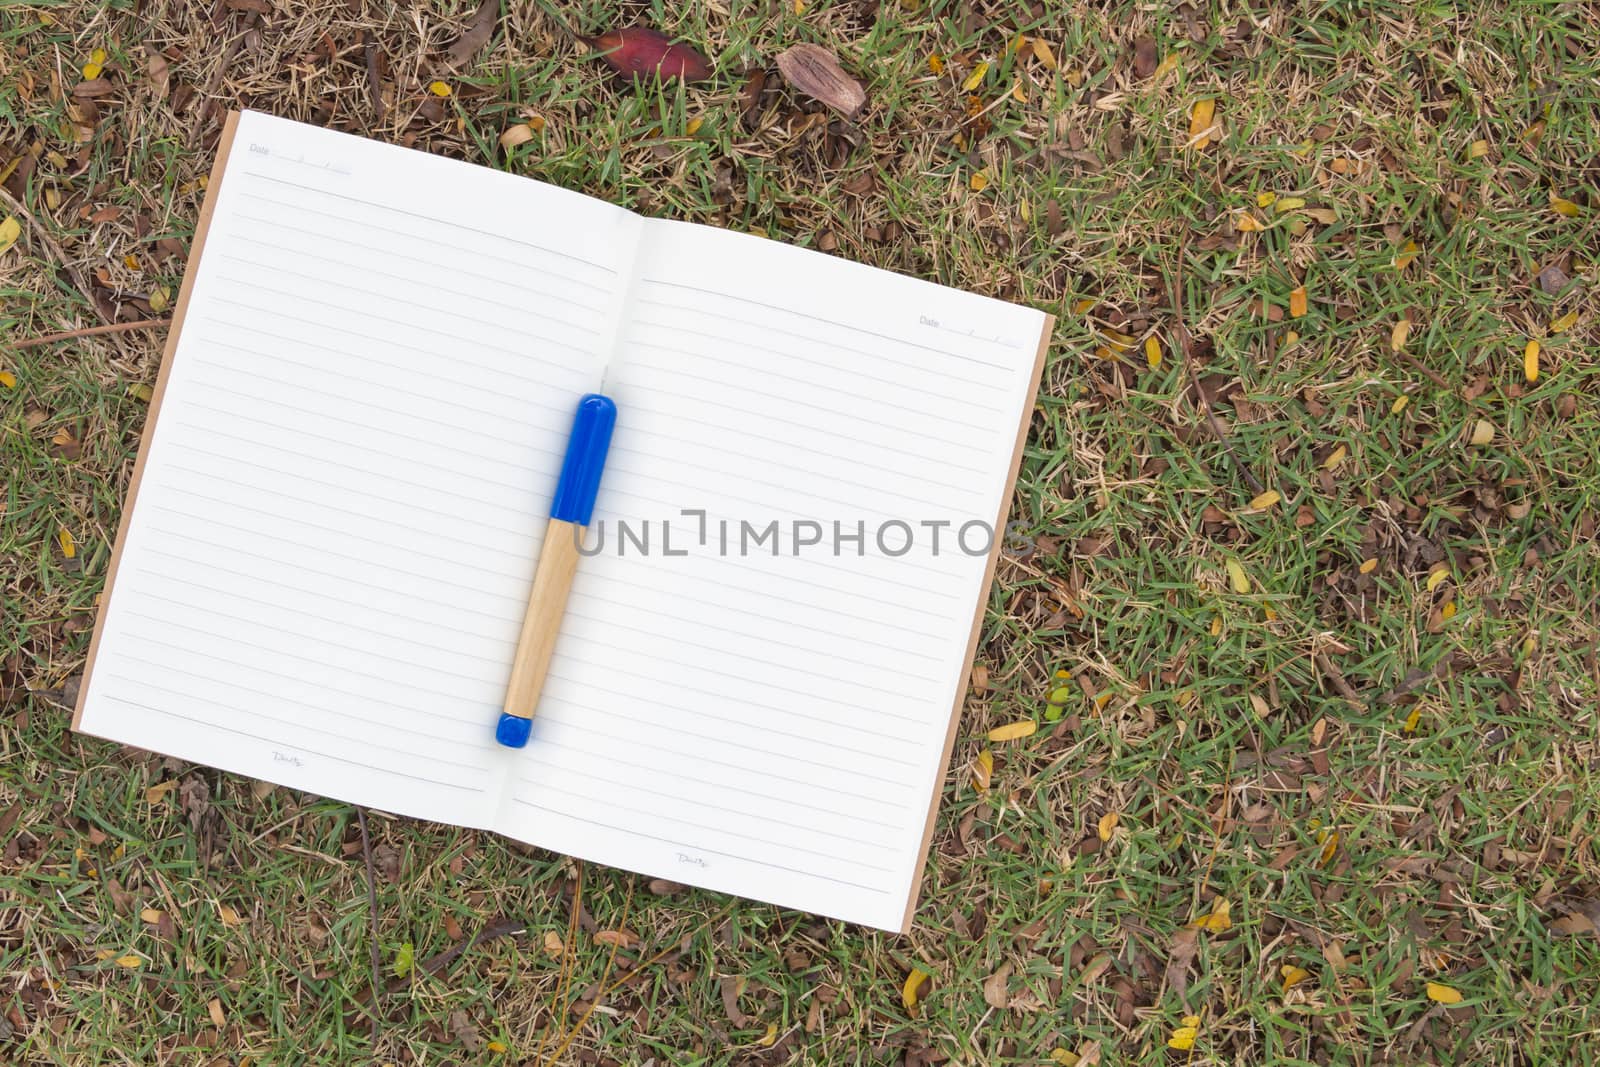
(1561, 325)
(69, 547)
(1399, 334)
(1482, 432)
(1335, 458)
(1369, 565)
(1406, 256)
(154, 794)
(151, 915)
(553, 945)
(405, 959)
(1218, 921)
(477, 33)
(816, 72)
(994, 987)
(214, 1009)
(1297, 302)
(1107, 825)
(1063, 1057)
(1266, 500)
(1399, 404)
(512, 136)
(1530, 361)
(1146, 57)
(129, 960)
(1237, 577)
(159, 298)
(640, 52)
(229, 917)
(1200, 117)
(1477, 149)
(1152, 352)
(10, 230)
(1564, 207)
(1330, 848)
(980, 181)
(1443, 994)
(1183, 1037)
(8, 379)
(1439, 574)
(1043, 53)
(1013, 731)
(620, 938)
(1293, 976)
(913, 987)
(1288, 204)
(439, 89)
(975, 79)
(983, 771)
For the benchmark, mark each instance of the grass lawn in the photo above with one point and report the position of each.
(1314, 780)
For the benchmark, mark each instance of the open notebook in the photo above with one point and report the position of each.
(332, 527)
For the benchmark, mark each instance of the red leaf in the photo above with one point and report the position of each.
(641, 52)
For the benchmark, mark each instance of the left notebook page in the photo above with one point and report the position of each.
(332, 527)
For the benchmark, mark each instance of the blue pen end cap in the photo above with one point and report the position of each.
(596, 417)
(512, 731)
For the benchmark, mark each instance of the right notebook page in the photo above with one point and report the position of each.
(754, 686)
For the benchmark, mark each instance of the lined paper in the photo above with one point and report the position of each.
(338, 518)
(325, 569)
(775, 726)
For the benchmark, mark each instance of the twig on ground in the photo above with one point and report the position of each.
(372, 921)
(1340, 684)
(605, 976)
(1417, 365)
(1175, 284)
(90, 331)
(369, 45)
(55, 250)
(567, 951)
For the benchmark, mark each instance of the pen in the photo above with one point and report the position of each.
(570, 512)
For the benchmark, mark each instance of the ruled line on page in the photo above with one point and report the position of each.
(388, 728)
(828, 322)
(387, 342)
(768, 349)
(430, 266)
(777, 797)
(766, 326)
(787, 846)
(828, 736)
(531, 756)
(789, 402)
(446, 223)
(477, 726)
(292, 746)
(698, 848)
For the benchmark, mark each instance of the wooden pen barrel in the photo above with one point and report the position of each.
(547, 602)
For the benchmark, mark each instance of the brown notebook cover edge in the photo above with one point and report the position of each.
(1025, 423)
(190, 271)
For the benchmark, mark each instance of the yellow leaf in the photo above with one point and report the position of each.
(1268, 613)
(1025, 210)
(1043, 53)
(979, 182)
(512, 136)
(983, 770)
(130, 960)
(1398, 335)
(1013, 731)
(228, 916)
(1482, 432)
(772, 1028)
(1448, 612)
(1291, 338)
(799, 7)
(1107, 825)
(1564, 207)
(1297, 302)
(553, 945)
(154, 794)
(1168, 64)
(1063, 1057)
(1330, 849)
(936, 63)
(1216, 626)
(92, 70)
(150, 915)
(1477, 149)
(8, 379)
(1219, 921)
(69, 547)
(1530, 361)
(1245, 222)
(439, 89)
(1443, 993)
(1183, 1037)
(1369, 565)
(141, 391)
(10, 230)
(1335, 458)
(1399, 405)
(159, 298)
(1265, 199)
(496, 1047)
(1083, 307)
(1413, 719)
(1152, 352)
(1200, 117)
(1266, 500)
(1237, 578)
(1293, 976)
(974, 80)
(1406, 256)
(1437, 576)
(214, 1009)
(1561, 325)
(1018, 93)
(1289, 203)
(909, 991)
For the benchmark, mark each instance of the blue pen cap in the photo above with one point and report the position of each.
(586, 457)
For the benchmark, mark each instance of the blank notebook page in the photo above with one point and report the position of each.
(336, 522)
(775, 727)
